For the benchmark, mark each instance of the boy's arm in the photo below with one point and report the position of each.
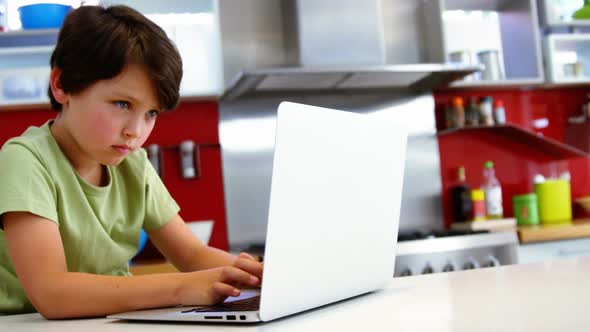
(178, 244)
(37, 254)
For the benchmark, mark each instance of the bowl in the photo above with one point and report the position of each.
(43, 15)
(143, 238)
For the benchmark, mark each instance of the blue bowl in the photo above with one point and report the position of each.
(142, 241)
(43, 15)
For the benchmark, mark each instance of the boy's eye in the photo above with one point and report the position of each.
(153, 114)
(122, 104)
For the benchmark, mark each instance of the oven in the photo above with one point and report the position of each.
(426, 252)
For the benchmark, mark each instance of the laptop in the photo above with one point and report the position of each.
(332, 220)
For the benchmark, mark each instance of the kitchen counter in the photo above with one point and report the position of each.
(577, 228)
(550, 296)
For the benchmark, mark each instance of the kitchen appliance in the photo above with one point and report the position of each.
(425, 252)
(353, 67)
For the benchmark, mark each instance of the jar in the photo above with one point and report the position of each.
(525, 209)
(486, 111)
(479, 205)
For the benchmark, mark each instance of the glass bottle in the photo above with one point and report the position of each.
(486, 111)
(449, 117)
(461, 197)
(499, 112)
(458, 112)
(493, 192)
(472, 113)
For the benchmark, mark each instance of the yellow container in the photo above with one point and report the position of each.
(554, 201)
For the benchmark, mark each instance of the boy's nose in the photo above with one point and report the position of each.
(132, 129)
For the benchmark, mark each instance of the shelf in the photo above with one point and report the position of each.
(26, 50)
(550, 146)
(574, 229)
(32, 32)
(508, 83)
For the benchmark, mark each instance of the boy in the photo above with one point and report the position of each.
(75, 192)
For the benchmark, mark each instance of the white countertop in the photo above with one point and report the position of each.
(551, 296)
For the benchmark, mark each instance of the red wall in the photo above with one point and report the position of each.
(516, 161)
(199, 199)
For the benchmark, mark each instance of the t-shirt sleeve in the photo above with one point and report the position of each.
(160, 206)
(25, 184)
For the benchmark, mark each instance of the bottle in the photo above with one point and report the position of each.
(479, 205)
(458, 112)
(492, 191)
(461, 196)
(449, 117)
(499, 112)
(485, 111)
(472, 113)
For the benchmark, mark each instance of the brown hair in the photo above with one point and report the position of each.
(97, 43)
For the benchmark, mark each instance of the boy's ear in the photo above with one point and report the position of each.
(56, 87)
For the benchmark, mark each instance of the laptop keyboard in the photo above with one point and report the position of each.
(249, 304)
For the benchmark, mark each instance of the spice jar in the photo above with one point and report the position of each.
(478, 204)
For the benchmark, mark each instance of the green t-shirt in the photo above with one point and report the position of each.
(99, 226)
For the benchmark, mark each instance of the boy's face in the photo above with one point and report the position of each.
(114, 117)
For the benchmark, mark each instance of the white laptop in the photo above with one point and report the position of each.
(333, 216)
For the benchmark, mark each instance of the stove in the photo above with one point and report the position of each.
(435, 251)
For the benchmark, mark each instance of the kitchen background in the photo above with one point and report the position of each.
(359, 56)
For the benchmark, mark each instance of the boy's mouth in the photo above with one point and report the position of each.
(122, 149)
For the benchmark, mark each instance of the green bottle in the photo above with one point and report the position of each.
(584, 12)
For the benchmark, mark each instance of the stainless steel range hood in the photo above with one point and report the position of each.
(306, 80)
(353, 55)
(294, 47)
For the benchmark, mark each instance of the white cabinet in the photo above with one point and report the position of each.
(24, 66)
(508, 28)
(566, 44)
(568, 58)
(545, 251)
(192, 25)
(559, 13)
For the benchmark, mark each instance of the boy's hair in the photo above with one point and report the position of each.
(97, 43)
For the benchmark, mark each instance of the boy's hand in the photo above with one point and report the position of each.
(215, 285)
(247, 263)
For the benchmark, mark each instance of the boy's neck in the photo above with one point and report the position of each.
(92, 172)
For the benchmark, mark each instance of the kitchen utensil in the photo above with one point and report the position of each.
(554, 200)
(43, 15)
(493, 70)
